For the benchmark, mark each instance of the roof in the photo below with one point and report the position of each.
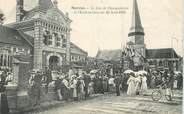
(30, 5)
(42, 5)
(28, 38)
(23, 58)
(45, 4)
(109, 55)
(12, 36)
(72, 45)
(161, 53)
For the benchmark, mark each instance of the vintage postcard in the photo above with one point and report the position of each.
(91, 56)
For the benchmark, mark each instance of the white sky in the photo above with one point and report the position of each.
(161, 19)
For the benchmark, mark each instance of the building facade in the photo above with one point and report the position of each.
(43, 31)
(136, 56)
(134, 52)
(162, 59)
(39, 39)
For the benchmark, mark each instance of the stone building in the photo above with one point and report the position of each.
(111, 60)
(163, 59)
(134, 52)
(149, 58)
(42, 31)
(39, 39)
(135, 55)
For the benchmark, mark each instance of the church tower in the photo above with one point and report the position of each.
(136, 34)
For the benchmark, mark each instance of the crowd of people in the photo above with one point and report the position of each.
(6, 76)
(137, 84)
(75, 87)
(80, 86)
(172, 79)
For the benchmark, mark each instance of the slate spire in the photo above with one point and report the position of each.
(136, 26)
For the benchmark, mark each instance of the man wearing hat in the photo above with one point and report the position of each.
(117, 81)
(87, 80)
(58, 88)
(48, 79)
(37, 87)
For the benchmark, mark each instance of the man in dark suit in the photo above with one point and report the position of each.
(37, 88)
(48, 79)
(87, 80)
(118, 81)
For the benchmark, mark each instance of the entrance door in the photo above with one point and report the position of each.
(54, 63)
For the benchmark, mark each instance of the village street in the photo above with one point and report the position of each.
(111, 104)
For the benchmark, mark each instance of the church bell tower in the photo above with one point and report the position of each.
(136, 33)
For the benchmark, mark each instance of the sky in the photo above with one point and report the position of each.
(161, 19)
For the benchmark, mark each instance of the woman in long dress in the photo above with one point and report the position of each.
(65, 89)
(137, 84)
(111, 84)
(144, 86)
(131, 84)
(74, 87)
(153, 77)
(82, 97)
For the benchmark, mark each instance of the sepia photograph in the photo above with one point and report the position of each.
(91, 56)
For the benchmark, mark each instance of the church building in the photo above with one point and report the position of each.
(135, 55)
(148, 58)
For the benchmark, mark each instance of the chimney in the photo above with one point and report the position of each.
(19, 10)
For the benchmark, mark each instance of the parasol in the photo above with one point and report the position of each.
(177, 72)
(142, 72)
(93, 71)
(128, 71)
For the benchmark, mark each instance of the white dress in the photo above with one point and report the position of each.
(131, 86)
(82, 86)
(144, 87)
(74, 88)
(137, 83)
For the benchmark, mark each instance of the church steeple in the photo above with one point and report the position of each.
(136, 34)
(136, 26)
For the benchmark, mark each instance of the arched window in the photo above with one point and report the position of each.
(63, 40)
(9, 61)
(151, 62)
(155, 62)
(47, 38)
(5, 58)
(165, 63)
(160, 63)
(50, 39)
(57, 40)
(1, 60)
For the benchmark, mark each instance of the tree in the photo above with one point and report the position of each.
(2, 17)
